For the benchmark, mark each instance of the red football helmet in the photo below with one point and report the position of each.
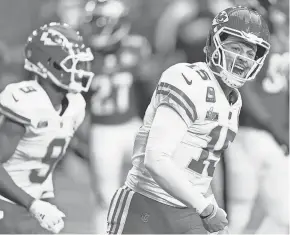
(56, 51)
(243, 23)
(105, 23)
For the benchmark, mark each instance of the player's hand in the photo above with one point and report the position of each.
(48, 215)
(216, 220)
(225, 231)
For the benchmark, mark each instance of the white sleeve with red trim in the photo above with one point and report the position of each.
(15, 105)
(180, 88)
(171, 137)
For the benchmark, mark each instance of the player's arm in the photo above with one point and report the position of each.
(161, 144)
(254, 107)
(12, 130)
(47, 214)
(166, 133)
(11, 133)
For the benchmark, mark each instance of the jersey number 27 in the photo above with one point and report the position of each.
(112, 95)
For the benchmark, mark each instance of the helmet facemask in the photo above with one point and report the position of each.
(77, 67)
(230, 74)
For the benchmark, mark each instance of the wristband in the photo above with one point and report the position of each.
(214, 209)
(30, 204)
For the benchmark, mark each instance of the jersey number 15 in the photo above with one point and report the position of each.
(219, 135)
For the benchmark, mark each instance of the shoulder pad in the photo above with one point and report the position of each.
(15, 101)
(179, 88)
(187, 76)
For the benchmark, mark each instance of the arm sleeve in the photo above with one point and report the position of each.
(175, 93)
(167, 130)
(166, 133)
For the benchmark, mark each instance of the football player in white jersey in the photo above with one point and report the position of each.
(192, 118)
(40, 118)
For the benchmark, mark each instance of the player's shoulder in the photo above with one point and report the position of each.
(187, 77)
(23, 86)
(183, 89)
(21, 92)
(17, 100)
(77, 100)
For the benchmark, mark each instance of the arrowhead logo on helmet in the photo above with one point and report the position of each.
(56, 51)
(222, 17)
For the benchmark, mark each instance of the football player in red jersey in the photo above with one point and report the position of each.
(114, 95)
(40, 118)
(192, 117)
(257, 166)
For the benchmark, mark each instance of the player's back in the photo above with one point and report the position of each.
(47, 132)
(194, 93)
(112, 93)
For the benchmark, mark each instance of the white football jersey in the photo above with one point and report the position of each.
(47, 134)
(194, 93)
